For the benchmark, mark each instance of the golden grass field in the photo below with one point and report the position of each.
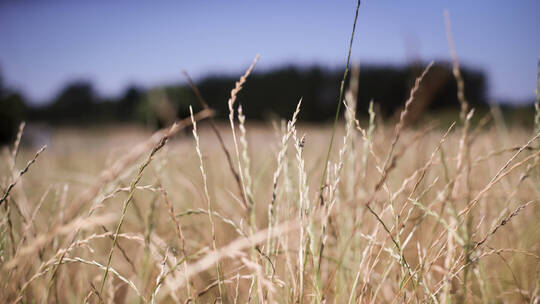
(437, 214)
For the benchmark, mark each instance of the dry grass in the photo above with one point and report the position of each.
(406, 216)
(442, 214)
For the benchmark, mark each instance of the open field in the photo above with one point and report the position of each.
(405, 210)
(438, 216)
(367, 211)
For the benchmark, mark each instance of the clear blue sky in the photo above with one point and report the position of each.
(44, 44)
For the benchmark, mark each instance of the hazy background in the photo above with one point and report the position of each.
(106, 52)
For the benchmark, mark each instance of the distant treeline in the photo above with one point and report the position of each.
(267, 93)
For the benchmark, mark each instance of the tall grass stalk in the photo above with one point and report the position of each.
(209, 204)
(230, 103)
(303, 210)
(280, 165)
(125, 206)
(340, 100)
(244, 153)
(217, 133)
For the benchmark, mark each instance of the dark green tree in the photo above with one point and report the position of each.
(76, 103)
(12, 112)
(127, 104)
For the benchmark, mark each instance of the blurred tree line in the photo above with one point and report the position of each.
(267, 93)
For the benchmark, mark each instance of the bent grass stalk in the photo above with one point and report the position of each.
(21, 173)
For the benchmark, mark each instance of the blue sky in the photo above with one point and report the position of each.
(45, 44)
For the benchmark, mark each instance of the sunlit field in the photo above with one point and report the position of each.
(412, 208)
(439, 213)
